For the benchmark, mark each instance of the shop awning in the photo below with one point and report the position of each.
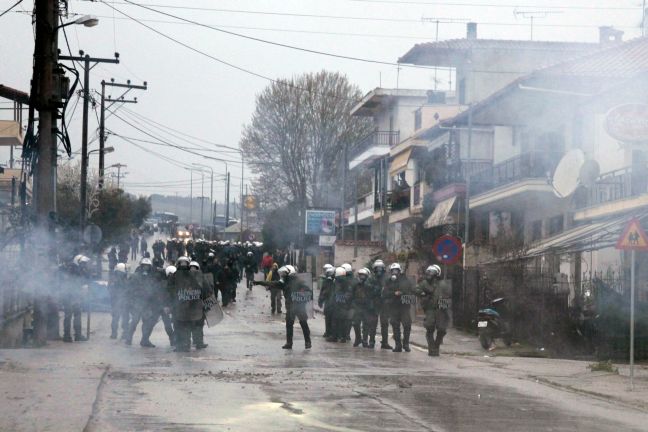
(441, 214)
(590, 237)
(400, 162)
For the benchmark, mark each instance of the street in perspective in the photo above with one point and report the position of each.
(341, 215)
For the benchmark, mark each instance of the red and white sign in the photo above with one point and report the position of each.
(628, 122)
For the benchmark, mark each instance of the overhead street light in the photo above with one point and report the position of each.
(105, 150)
(85, 20)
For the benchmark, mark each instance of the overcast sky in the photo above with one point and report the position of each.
(199, 96)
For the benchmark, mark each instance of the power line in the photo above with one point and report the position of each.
(491, 5)
(147, 119)
(375, 35)
(268, 42)
(239, 68)
(171, 144)
(10, 8)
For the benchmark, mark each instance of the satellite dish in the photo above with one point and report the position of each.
(566, 178)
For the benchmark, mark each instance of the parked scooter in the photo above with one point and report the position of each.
(491, 324)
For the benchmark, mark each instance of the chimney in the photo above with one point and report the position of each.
(471, 30)
(609, 36)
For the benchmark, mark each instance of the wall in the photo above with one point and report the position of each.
(481, 146)
(504, 146)
(344, 251)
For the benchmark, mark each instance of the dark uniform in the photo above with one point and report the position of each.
(75, 288)
(326, 300)
(383, 307)
(188, 292)
(435, 302)
(342, 310)
(142, 303)
(401, 295)
(297, 295)
(365, 302)
(118, 303)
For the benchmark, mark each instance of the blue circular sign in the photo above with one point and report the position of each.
(447, 249)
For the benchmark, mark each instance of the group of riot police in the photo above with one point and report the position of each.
(180, 293)
(361, 301)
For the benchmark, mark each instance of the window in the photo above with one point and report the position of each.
(418, 119)
(556, 225)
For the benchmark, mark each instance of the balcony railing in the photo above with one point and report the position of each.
(532, 165)
(374, 139)
(457, 173)
(616, 185)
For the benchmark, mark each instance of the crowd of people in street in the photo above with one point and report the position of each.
(361, 301)
(182, 280)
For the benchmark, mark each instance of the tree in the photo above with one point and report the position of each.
(112, 209)
(296, 139)
(281, 227)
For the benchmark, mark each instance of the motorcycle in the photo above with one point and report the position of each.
(491, 324)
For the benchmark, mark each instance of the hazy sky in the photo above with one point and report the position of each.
(199, 96)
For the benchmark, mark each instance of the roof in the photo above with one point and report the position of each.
(13, 94)
(623, 60)
(376, 97)
(464, 45)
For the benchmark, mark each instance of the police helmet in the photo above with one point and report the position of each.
(283, 271)
(146, 261)
(194, 264)
(347, 267)
(364, 273)
(378, 264)
(340, 271)
(170, 270)
(183, 262)
(433, 270)
(120, 268)
(394, 267)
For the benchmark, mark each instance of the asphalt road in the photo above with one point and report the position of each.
(244, 381)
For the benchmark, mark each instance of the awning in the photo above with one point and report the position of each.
(400, 161)
(440, 215)
(590, 237)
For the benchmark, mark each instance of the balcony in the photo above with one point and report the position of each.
(372, 147)
(614, 192)
(365, 210)
(525, 173)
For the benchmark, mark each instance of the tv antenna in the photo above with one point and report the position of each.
(532, 15)
(437, 21)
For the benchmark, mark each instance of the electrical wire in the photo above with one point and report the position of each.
(171, 144)
(493, 5)
(274, 43)
(142, 117)
(231, 65)
(10, 8)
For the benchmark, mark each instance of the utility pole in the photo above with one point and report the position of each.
(102, 122)
(43, 98)
(227, 200)
(88, 64)
(119, 174)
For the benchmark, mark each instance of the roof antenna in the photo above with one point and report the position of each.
(531, 15)
(438, 21)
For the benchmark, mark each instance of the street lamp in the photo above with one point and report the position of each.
(105, 150)
(85, 20)
(211, 198)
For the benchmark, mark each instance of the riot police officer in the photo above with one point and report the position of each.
(379, 279)
(143, 287)
(326, 298)
(119, 310)
(364, 310)
(188, 292)
(74, 290)
(399, 291)
(342, 310)
(435, 303)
